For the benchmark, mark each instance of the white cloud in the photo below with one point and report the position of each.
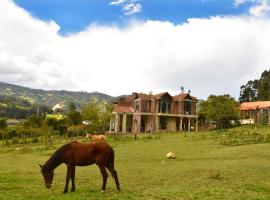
(239, 2)
(118, 2)
(207, 56)
(259, 8)
(132, 8)
(129, 7)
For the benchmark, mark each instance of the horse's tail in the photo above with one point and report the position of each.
(111, 159)
(112, 170)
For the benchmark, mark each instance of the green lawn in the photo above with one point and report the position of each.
(203, 169)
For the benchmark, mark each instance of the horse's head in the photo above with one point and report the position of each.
(47, 175)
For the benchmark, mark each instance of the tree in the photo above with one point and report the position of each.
(249, 92)
(221, 109)
(98, 115)
(182, 89)
(72, 107)
(3, 123)
(264, 86)
(90, 113)
(75, 117)
(257, 89)
(34, 121)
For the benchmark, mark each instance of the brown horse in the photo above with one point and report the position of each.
(81, 154)
(96, 137)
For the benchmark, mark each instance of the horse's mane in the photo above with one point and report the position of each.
(55, 159)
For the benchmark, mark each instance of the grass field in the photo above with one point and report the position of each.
(203, 169)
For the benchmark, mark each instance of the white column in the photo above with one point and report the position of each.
(116, 123)
(157, 123)
(181, 123)
(110, 126)
(188, 124)
(124, 123)
(269, 116)
(197, 125)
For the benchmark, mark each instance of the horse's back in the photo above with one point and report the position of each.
(96, 137)
(90, 153)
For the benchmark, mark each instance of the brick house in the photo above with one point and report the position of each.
(140, 112)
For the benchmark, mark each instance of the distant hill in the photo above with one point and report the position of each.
(51, 98)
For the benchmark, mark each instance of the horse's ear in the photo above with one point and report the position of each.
(40, 166)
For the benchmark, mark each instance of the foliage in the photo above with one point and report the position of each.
(20, 108)
(72, 107)
(57, 122)
(74, 116)
(97, 114)
(3, 123)
(50, 98)
(243, 135)
(34, 121)
(257, 89)
(222, 109)
(77, 130)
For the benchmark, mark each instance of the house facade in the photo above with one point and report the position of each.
(250, 112)
(140, 112)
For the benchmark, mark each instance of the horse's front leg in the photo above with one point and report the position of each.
(68, 176)
(104, 177)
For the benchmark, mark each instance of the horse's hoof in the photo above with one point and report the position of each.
(102, 191)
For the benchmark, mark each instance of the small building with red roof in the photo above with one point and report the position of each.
(250, 111)
(141, 112)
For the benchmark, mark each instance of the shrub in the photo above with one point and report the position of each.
(3, 123)
(15, 140)
(62, 129)
(77, 130)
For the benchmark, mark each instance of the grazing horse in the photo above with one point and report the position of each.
(96, 137)
(81, 154)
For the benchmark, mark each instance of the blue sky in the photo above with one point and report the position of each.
(123, 46)
(75, 15)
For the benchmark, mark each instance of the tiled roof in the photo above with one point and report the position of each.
(255, 105)
(123, 109)
(157, 96)
(181, 97)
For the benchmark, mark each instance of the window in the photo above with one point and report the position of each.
(187, 107)
(149, 106)
(137, 106)
(164, 106)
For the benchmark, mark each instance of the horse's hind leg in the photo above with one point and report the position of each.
(73, 179)
(104, 177)
(114, 175)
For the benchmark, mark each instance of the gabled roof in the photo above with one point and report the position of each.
(157, 96)
(183, 96)
(254, 105)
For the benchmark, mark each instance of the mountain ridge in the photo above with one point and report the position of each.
(51, 97)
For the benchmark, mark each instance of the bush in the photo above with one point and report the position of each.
(77, 130)
(15, 140)
(62, 129)
(243, 136)
(3, 123)
(34, 139)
